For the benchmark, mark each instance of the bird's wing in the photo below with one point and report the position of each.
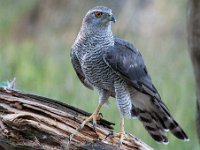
(127, 61)
(77, 67)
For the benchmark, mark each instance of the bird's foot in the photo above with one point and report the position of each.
(121, 135)
(94, 118)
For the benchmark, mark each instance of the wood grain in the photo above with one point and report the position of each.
(29, 121)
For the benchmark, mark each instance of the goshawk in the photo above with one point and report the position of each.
(116, 68)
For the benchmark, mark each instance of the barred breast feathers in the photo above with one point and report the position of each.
(89, 41)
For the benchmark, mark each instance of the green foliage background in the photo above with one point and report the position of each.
(41, 64)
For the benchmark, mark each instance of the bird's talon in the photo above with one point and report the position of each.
(120, 135)
(97, 117)
(100, 115)
(94, 125)
(109, 134)
(80, 127)
(120, 142)
(92, 117)
(70, 137)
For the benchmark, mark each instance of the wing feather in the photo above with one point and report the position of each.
(77, 67)
(127, 61)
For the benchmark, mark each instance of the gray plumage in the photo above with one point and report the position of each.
(116, 68)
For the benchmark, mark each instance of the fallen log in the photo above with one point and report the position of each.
(34, 122)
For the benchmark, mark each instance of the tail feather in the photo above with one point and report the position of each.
(153, 127)
(169, 122)
(157, 120)
(176, 130)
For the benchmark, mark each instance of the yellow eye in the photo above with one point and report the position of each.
(98, 14)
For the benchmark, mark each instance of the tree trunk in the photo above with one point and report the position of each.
(193, 21)
(33, 122)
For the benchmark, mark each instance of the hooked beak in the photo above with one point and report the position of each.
(112, 18)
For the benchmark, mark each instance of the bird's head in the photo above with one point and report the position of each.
(98, 18)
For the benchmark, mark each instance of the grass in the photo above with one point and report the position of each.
(49, 73)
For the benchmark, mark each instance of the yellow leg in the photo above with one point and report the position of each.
(122, 124)
(95, 116)
(121, 135)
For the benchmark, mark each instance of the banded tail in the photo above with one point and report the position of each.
(157, 121)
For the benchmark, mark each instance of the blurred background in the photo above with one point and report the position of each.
(35, 41)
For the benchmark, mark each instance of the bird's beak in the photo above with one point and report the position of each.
(112, 18)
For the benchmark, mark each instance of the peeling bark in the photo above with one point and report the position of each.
(33, 122)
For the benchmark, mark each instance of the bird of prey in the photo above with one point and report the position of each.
(116, 68)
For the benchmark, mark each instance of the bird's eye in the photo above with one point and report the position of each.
(98, 14)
